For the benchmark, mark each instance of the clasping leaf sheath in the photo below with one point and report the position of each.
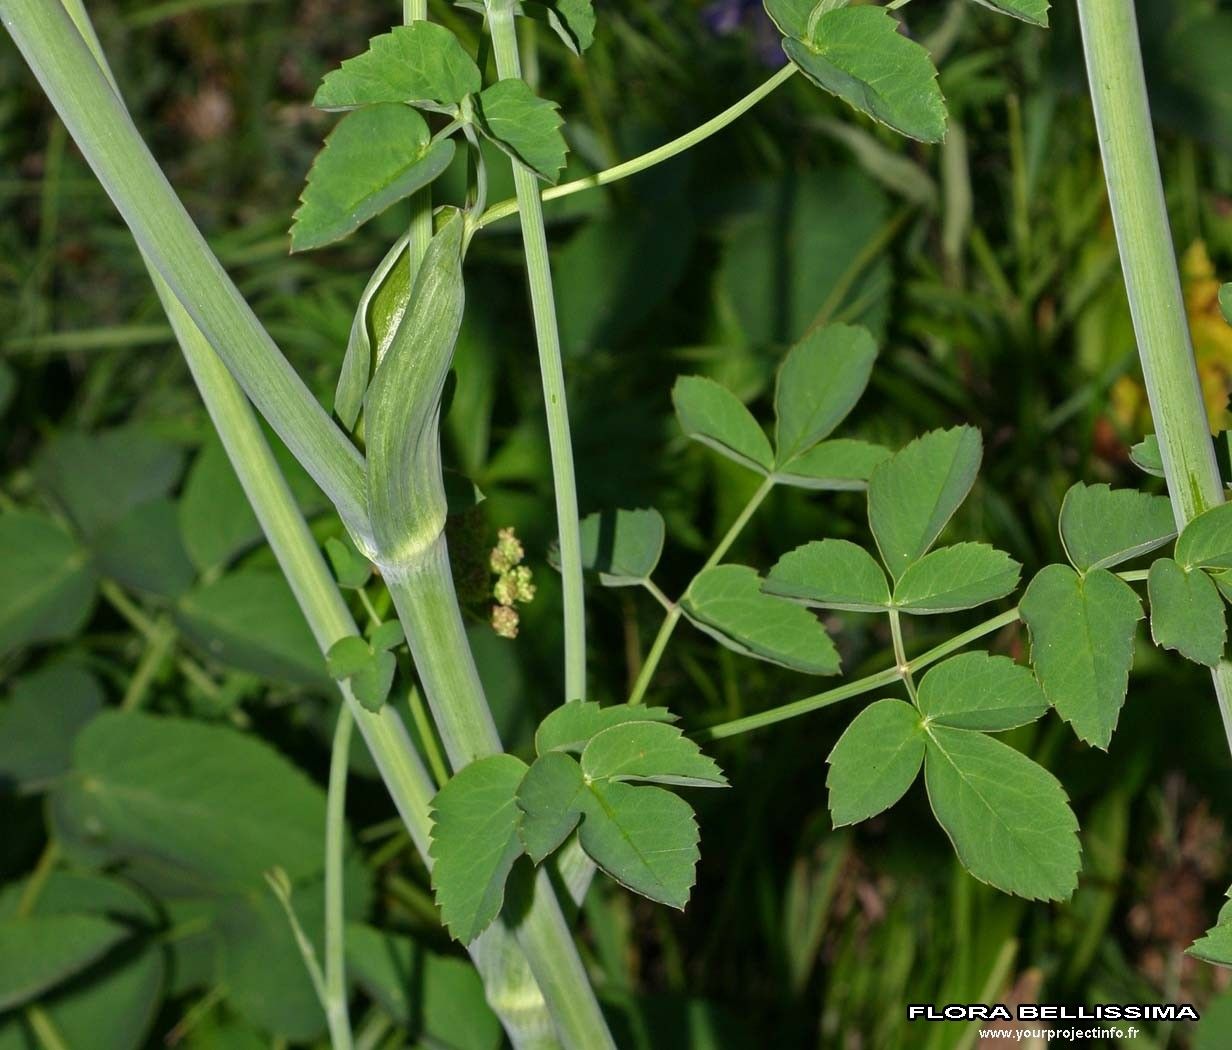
(402, 406)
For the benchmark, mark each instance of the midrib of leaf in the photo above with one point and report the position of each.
(1044, 872)
(642, 856)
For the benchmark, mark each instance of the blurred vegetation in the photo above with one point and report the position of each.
(986, 267)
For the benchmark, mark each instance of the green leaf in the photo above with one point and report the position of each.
(726, 602)
(45, 711)
(573, 21)
(412, 63)
(1082, 645)
(351, 569)
(958, 577)
(571, 726)
(622, 546)
(46, 581)
(713, 415)
(875, 761)
(144, 550)
(99, 477)
(831, 574)
(386, 636)
(372, 682)
(551, 798)
(841, 464)
(1146, 456)
(475, 842)
(205, 800)
(1186, 612)
(797, 17)
(1216, 946)
(1033, 11)
(250, 620)
(644, 837)
(1206, 542)
(1225, 301)
(858, 54)
(347, 656)
(818, 385)
(40, 951)
(1008, 818)
(649, 751)
(523, 125)
(979, 691)
(440, 998)
(1102, 527)
(914, 493)
(374, 158)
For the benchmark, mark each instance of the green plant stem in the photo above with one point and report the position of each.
(503, 209)
(547, 337)
(672, 618)
(900, 653)
(1148, 261)
(421, 201)
(100, 125)
(157, 648)
(336, 1012)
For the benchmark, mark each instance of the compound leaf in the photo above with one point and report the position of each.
(419, 62)
(475, 842)
(958, 577)
(727, 603)
(858, 54)
(649, 751)
(819, 383)
(622, 546)
(1186, 612)
(1008, 818)
(552, 799)
(375, 157)
(875, 761)
(1206, 542)
(837, 465)
(713, 415)
(979, 691)
(524, 125)
(916, 491)
(38, 952)
(831, 574)
(1102, 527)
(571, 726)
(1082, 645)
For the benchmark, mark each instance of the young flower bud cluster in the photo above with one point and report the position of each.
(513, 583)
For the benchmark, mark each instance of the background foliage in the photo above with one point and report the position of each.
(133, 576)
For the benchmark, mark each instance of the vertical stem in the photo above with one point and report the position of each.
(900, 653)
(1148, 260)
(335, 923)
(421, 202)
(547, 336)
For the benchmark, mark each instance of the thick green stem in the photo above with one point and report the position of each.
(547, 336)
(1148, 261)
(336, 1012)
(100, 125)
(503, 209)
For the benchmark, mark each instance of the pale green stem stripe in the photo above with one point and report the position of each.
(1148, 261)
(503, 209)
(547, 337)
(100, 125)
(336, 1011)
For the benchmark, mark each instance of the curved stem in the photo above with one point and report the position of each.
(667, 151)
(1148, 261)
(547, 336)
(900, 654)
